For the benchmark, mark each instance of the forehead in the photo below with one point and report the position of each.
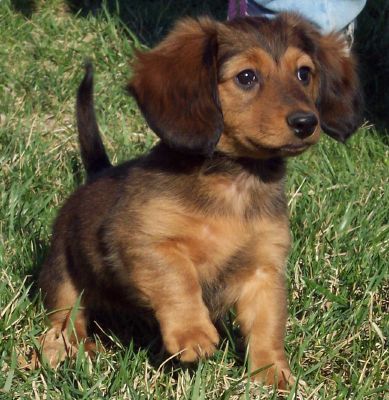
(258, 59)
(274, 36)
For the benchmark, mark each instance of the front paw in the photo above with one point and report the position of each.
(276, 374)
(192, 342)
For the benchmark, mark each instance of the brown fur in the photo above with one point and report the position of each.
(200, 223)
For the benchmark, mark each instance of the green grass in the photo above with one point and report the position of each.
(337, 272)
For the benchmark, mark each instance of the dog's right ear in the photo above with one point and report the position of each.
(175, 86)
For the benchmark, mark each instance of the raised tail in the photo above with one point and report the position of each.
(93, 154)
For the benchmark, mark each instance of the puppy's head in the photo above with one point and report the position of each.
(252, 87)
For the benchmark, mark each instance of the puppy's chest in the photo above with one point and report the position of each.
(215, 240)
(220, 226)
(243, 195)
(213, 243)
(227, 246)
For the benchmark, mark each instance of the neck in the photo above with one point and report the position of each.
(221, 185)
(267, 170)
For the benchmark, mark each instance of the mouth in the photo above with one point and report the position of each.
(286, 150)
(294, 148)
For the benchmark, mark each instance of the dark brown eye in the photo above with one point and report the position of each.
(246, 79)
(304, 75)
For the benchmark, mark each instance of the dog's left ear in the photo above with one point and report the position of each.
(175, 85)
(340, 101)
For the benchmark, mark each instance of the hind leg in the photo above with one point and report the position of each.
(66, 313)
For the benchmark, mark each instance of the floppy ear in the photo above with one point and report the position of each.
(175, 86)
(340, 100)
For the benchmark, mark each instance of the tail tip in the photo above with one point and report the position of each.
(88, 77)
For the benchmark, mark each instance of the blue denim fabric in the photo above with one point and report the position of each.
(329, 15)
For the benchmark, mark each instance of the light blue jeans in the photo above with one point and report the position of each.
(329, 15)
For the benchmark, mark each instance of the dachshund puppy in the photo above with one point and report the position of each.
(200, 224)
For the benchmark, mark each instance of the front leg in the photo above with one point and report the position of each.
(261, 302)
(169, 284)
(261, 313)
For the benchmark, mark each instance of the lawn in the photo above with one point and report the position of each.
(338, 200)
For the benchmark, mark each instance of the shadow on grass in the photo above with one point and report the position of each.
(372, 44)
(150, 20)
(25, 7)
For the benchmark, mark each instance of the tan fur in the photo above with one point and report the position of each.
(200, 224)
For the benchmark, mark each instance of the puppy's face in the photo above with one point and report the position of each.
(252, 87)
(268, 104)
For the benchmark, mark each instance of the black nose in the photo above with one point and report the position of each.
(302, 123)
